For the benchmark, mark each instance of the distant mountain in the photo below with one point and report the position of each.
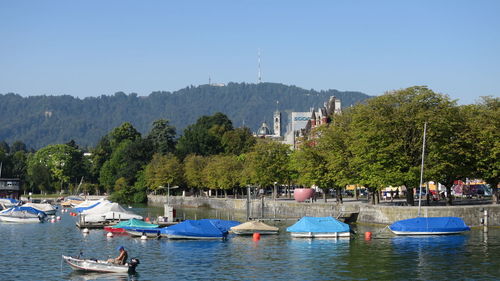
(42, 120)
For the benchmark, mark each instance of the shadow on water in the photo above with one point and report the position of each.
(84, 276)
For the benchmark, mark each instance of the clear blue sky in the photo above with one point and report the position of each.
(90, 48)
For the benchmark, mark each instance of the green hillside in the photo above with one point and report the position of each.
(43, 120)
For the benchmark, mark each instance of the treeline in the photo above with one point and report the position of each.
(375, 144)
(43, 120)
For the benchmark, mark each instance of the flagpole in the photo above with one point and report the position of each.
(421, 172)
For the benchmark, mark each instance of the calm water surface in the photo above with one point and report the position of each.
(33, 252)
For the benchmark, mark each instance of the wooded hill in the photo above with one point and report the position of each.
(42, 120)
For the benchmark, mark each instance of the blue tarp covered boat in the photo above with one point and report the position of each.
(199, 229)
(22, 214)
(319, 227)
(429, 226)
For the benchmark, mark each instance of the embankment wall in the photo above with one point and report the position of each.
(364, 213)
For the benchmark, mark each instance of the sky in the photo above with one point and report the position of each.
(95, 47)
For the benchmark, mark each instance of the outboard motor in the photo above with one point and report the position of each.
(132, 265)
(41, 217)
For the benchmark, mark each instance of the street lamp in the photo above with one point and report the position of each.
(168, 191)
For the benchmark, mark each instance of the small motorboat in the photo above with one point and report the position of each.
(132, 223)
(44, 207)
(319, 227)
(21, 214)
(140, 231)
(429, 226)
(100, 265)
(251, 227)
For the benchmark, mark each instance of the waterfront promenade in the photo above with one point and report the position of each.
(354, 210)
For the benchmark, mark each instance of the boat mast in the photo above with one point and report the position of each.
(421, 172)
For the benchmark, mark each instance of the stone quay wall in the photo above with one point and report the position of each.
(356, 211)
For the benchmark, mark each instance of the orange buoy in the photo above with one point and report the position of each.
(256, 236)
(147, 219)
(368, 235)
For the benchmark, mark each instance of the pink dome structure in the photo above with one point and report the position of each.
(302, 194)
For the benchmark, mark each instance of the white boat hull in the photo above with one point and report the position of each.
(140, 233)
(321, 234)
(95, 265)
(19, 219)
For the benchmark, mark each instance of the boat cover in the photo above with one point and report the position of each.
(254, 226)
(8, 201)
(223, 225)
(135, 223)
(430, 224)
(17, 209)
(45, 207)
(200, 228)
(104, 207)
(89, 204)
(319, 224)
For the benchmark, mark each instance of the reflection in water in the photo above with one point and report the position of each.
(84, 276)
(274, 257)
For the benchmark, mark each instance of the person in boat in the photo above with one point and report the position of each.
(122, 258)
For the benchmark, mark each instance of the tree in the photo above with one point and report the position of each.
(18, 146)
(204, 137)
(162, 137)
(270, 163)
(122, 133)
(163, 170)
(386, 139)
(126, 161)
(482, 130)
(193, 170)
(222, 172)
(238, 141)
(63, 162)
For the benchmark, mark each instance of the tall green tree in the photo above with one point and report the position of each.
(222, 172)
(63, 162)
(204, 137)
(484, 135)
(162, 171)
(269, 162)
(238, 141)
(193, 170)
(386, 139)
(162, 137)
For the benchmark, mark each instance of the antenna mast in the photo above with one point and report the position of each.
(421, 172)
(259, 77)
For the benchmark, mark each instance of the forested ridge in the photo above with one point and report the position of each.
(42, 120)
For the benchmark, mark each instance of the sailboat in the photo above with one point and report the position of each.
(428, 225)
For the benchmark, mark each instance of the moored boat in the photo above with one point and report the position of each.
(205, 229)
(44, 207)
(319, 227)
(100, 265)
(21, 214)
(251, 227)
(429, 226)
(132, 223)
(140, 231)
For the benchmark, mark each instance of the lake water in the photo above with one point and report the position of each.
(33, 252)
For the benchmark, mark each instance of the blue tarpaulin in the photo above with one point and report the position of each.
(81, 209)
(200, 228)
(319, 224)
(24, 209)
(431, 224)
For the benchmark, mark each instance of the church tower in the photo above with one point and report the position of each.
(277, 123)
